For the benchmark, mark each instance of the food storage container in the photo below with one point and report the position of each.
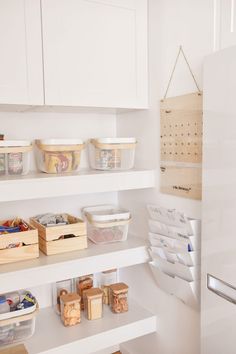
(83, 283)
(61, 288)
(119, 297)
(93, 299)
(112, 153)
(58, 155)
(18, 244)
(70, 309)
(55, 238)
(107, 223)
(17, 328)
(107, 278)
(14, 157)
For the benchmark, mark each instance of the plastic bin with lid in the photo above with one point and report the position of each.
(58, 155)
(112, 153)
(15, 157)
(107, 223)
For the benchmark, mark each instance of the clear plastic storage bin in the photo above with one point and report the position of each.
(107, 223)
(18, 328)
(58, 155)
(112, 153)
(14, 157)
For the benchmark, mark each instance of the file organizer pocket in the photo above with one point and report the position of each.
(175, 269)
(176, 255)
(186, 291)
(188, 244)
(171, 217)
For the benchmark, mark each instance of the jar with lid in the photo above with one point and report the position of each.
(70, 309)
(93, 301)
(119, 297)
(5, 331)
(83, 283)
(108, 277)
(4, 306)
(61, 288)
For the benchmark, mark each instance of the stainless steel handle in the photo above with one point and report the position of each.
(221, 288)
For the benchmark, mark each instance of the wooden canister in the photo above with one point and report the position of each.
(70, 309)
(119, 297)
(93, 299)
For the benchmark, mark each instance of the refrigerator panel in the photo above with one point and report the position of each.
(218, 297)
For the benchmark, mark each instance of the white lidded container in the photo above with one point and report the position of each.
(14, 157)
(18, 325)
(58, 155)
(107, 223)
(112, 153)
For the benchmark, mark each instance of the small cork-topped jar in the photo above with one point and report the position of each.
(93, 300)
(70, 309)
(119, 297)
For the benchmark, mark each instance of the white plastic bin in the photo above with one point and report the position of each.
(107, 223)
(58, 155)
(18, 328)
(112, 153)
(14, 157)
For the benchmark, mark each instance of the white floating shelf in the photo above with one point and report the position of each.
(49, 269)
(41, 185)
(89, 336)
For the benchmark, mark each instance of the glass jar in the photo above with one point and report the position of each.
(108, 277)
(83, 283)
(4, 306)
(119, 297)
(61, 288)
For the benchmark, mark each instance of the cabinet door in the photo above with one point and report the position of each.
(226, 14)
(95, 52)
(21, 78)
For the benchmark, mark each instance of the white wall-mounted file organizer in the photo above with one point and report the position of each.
(175, 251)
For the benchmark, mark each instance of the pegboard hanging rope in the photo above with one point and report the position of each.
(173, 71)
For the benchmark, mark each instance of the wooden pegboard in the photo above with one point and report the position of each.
(181, 128)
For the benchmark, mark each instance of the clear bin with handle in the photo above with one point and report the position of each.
(107, 223)
(58, 155)
(15, 157)
(112, 153)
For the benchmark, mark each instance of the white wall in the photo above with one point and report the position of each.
(171, 23)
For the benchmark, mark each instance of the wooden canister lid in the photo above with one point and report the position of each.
(119, 287)
(93, 292)
(71, 297)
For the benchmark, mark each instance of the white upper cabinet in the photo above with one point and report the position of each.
(226, 30)
(21, 71)
(95, 53)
